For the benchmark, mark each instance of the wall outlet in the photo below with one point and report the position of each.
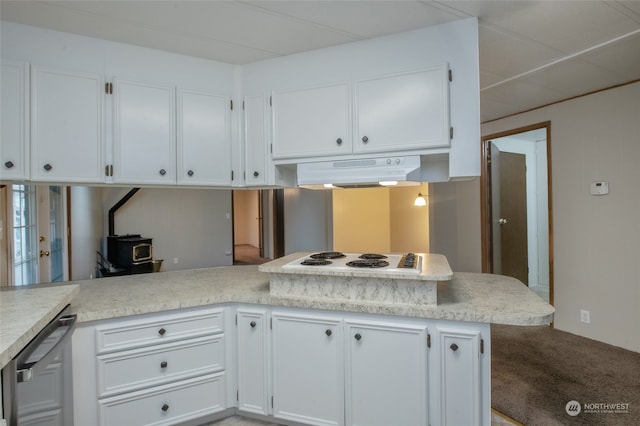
(175, 260)
(585, 316)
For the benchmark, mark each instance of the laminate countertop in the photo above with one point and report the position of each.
(24, 311)
(472, 297)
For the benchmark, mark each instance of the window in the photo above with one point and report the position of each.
(25, 246)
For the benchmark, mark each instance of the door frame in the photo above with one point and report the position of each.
(486, 219)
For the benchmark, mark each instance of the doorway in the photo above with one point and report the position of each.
(37, 246)
(516, 207)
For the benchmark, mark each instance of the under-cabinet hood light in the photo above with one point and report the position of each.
(361, 173)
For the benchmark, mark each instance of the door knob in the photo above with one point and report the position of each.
(44, 253)
(502, 221)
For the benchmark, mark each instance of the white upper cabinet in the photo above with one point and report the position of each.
(313, 121)
(204, 138)
(144, 138)
(14, 139)
(406, 111)
(66, 126)
(255, 142)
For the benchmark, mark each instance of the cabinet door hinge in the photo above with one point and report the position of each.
(450, 75)
(231, 174)
(451, 132)
(271, 323)
(270, 100)
(237, 395)
(108, 88)
(428, 340)
(108, 170)
(236, 319)
(243, 105)
(231, 103)
(271, 401)
(271, 148)
(481, 346)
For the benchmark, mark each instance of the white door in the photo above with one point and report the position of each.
(402, 111)
(386, 374)
(253, 361)
(39, 237)
(144, 133)
(14, 123)
(307, 369)
(66, 126)
(204, 138)
(312, 121)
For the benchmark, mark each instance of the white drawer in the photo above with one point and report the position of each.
(135, 369)
(168, 404)
(155, 329)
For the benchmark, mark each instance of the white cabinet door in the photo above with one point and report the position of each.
(204, 138)
(460, 377)
(66, 126)
(386, 374)
(255, 141)
(144, 133)
(407, 111)
(253, 361)
(308, 369)
(312, 122)
(14, 127)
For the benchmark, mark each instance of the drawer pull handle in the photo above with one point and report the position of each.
(162, 331)
(339, 141)
(190, 173)
(365, 139)
(47, 167)
(328, 332)
(9, 164)
(256, 174)
(252, 324)
(454, 347)
(358, 336)
(165, 407)
(163, 172)
(163, 364)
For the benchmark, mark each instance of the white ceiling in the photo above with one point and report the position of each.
(532, 53)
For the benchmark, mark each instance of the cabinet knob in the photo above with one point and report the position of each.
(190, 173)
(163, 364)
(163, 172)
(454, 347)
(162, 331)
(165, 407)
(9, 164)
(358, 336)
(256, 174)
(252, 324)
(339, 141)
(365, 139)
(328, 332)
(47, 167)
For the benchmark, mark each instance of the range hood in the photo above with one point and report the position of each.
(360, 173)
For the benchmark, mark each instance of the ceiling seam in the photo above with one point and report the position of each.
(563, 59)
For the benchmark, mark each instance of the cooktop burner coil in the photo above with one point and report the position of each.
(315, 262)
(368, 263)
(328, 255)
(372, 256)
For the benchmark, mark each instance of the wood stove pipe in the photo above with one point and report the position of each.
(116, 206)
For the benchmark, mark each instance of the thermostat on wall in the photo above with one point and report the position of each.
(599, 188)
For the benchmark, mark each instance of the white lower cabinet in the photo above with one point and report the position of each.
(460, 384)
(253, 361)
(386, 374)
(155, 369)
(307, 369)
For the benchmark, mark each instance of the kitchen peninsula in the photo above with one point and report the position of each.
(195, 345)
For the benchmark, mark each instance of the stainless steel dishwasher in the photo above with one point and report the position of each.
(37, 386)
